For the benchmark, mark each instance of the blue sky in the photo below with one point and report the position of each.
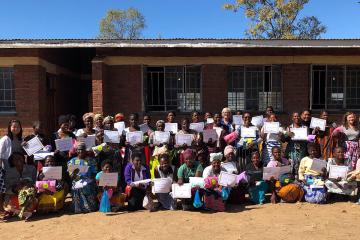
(168, 18)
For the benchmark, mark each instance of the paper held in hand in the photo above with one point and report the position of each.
(82, 168)
(318, 165)
(181, 139)
(143, 182)
(34, 145)
(249, 132)
(227, 179)
(52, 173)
(120, 126)
(229, 167)
(89, 141)
(144, 128)
(197, 182)
(275, 172)
(64, 144)
(161, 137)
(338, 171)
(198, 127)
(171, 127)
(299, 133)
(109, 179)
(162, 185)
(272, 127)
(318, 122)
(181, 191)
(257, 121)
(209, 120)
(237, 120)
(111, 136)
(210, 134)
(134, 137)
(41, 155)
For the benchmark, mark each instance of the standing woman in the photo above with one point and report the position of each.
(347, 136)
(324, 138)
(246, 144)
(226, 119)
(88, 119)
(98, 119)
(133, 127)
(10, 143)
(295, 149)
(195, 117)
(170, 117)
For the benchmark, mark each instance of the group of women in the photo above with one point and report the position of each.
(24, 189)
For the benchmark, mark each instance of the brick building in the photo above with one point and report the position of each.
(41, 79)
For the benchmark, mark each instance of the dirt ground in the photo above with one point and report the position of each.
(280, 221)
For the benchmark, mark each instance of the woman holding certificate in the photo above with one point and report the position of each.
(248, 141)
(347, 136)
(184, 139)
(226, 120)
(88, 119)
(132, 131)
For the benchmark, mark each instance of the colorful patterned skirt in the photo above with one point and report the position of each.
(84, 196)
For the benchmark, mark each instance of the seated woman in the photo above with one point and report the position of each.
(232, 166)
(20, 198)
(165, 170)
(52, 201)
(341, 186)
(116, 198)
(257, 186)
(283, 188)
(134, 172)
(83, 185)
(215, 168)
(313, 183)
(187, 170)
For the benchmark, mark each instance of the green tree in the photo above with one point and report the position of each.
(278, 19)
(122, 24)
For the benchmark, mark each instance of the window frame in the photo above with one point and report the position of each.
(13, 91)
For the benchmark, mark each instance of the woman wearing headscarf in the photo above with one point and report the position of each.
(98, 120)
(88, 119)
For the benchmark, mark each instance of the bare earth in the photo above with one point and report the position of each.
(281, 221)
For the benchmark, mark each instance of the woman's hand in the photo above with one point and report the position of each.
(180, 181)
(24, 143)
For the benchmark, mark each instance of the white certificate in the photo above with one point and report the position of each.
(181, 139)
(120, 126)
(229, 167)
(257, 121)
(171, 127)
(183, 191)
(209, 120)
(161, 137)
(198, 127)
(272, 127)
(249, 132)
(109, 179)
(227, 179)
(34, 145)
(82, 168)
(52, 173)
(64, 144)
(269, 172)
(285, 169)
(318, 122)
(318, 165)
(134, 137)
(89, 141)
(162, 185)
(197, 182)
(338, 171)
(237, 120)
(111, 136)
(300, 133)
(41, 155)
(144, 128)
(144, 182)
(210, 133)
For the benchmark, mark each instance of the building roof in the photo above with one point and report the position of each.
(178, 43)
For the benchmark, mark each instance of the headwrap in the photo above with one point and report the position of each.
(160, 150)
(228, 149)
(107, 119)
(188, 153)
(216, 156)
(97, 116)
(160, 122)
(63, 119)
(87, 115)
(119, 117)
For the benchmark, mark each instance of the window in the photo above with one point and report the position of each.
(335, 87)
(7, 90)
(254, 87)
(174, 88)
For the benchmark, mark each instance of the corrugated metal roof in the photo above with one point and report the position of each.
(179, 42)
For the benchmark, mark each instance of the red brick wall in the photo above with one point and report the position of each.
(214, 88)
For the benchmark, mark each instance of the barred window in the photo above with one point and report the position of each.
(335, 87)
(7, 90)
(254, 87)
(174, 88)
